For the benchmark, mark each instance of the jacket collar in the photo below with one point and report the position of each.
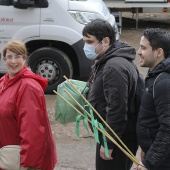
(163, 66)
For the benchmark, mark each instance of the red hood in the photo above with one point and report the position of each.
(24, 73)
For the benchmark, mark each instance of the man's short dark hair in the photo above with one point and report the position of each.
(158, 38)
(100, 29)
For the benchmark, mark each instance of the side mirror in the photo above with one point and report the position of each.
(24, 4)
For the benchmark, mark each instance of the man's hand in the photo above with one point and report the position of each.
(140, 167)
(142, 155)
(102, 153)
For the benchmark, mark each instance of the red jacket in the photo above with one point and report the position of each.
(24, 119)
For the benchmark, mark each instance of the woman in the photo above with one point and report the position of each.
(23, 116)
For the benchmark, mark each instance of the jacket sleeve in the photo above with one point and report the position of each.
(160, 148)
(115, 85)
(31, 117)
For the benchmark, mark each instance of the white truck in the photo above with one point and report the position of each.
(52, 32)
(137, 6)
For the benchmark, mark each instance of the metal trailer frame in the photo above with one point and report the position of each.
(137, 7)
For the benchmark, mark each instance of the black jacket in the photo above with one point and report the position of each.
(113, 84)
(153, 127)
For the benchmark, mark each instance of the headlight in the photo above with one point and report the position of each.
(84, 17)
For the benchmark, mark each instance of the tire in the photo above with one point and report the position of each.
(52, 64)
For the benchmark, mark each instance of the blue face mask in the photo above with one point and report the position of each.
(89, 51)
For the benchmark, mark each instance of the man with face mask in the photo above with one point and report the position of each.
(112, 87)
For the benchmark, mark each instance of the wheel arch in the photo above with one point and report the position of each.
(67, 49)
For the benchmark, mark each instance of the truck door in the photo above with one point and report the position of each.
(17, 23)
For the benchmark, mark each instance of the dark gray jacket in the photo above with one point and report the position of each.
(153, 127)
(114, 81)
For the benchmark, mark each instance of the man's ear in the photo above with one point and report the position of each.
(106, 42)
(160, 53)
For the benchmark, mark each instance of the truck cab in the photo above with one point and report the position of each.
(52, 32)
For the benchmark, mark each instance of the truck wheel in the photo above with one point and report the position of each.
(52, 64)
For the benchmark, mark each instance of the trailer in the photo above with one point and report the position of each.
(137, 6)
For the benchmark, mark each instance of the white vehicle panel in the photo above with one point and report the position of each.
(13, 23)
(63, 34)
